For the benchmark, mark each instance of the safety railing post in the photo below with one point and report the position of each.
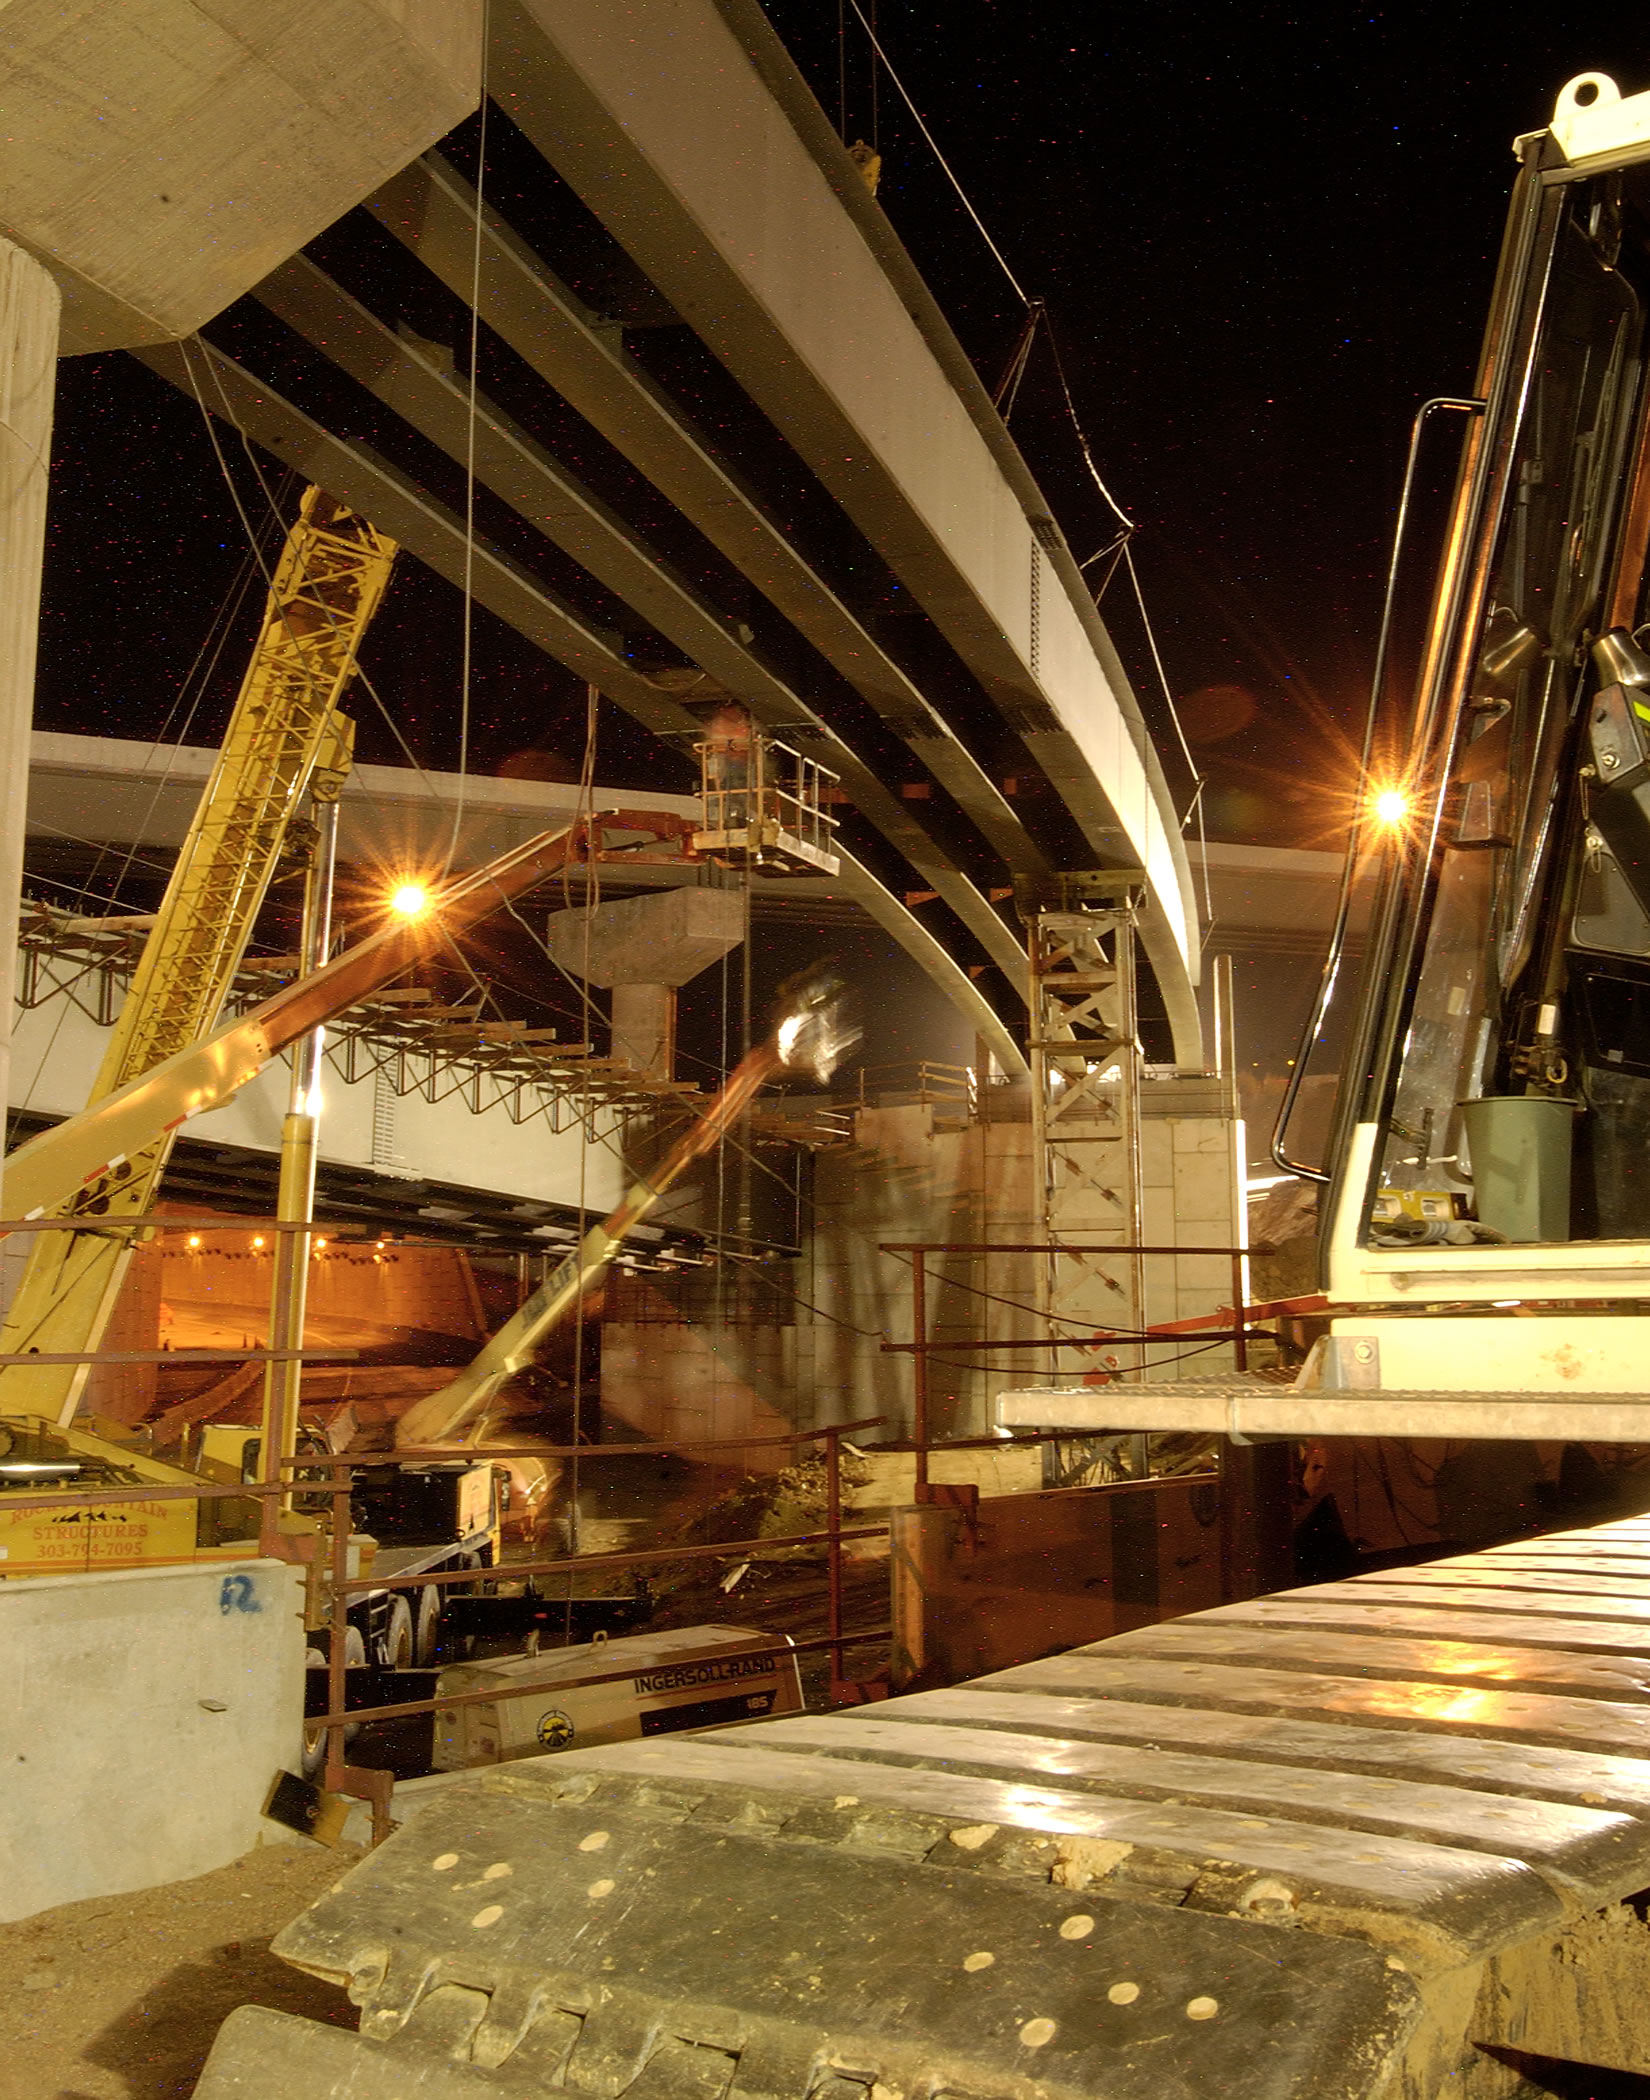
(1240, 1323)
(919, 1365)
(833, 1556)
(338, 1624)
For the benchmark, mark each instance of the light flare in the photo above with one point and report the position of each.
(410, 900)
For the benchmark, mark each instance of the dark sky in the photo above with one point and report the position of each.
(1265, 234)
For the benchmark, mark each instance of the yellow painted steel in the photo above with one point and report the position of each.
(332, 575)
(87, 1538)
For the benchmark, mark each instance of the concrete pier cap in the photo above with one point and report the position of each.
(665, 938)
(160, 157)
(643, 948)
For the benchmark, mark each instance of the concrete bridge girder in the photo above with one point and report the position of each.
(436, 536)
(759, 230)
(544, 493)
(434, 213)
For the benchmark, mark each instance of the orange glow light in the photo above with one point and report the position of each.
(257, 1239)
(1389, 806)
(410, 899)
(193, 1241)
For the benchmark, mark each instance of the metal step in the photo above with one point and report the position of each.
(1256, 1410)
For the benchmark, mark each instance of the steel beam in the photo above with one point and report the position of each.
(1263, 1411)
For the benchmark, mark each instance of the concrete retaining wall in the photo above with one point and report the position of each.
(979, 1586)
(142, 1717)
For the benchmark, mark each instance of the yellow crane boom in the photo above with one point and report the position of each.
(331, 577)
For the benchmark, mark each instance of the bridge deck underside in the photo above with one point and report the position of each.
(1004, 680)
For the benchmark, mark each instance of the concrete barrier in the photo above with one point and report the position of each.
(142, 1717)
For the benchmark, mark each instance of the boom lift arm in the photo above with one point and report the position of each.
(46, 1173)
(810, 1035)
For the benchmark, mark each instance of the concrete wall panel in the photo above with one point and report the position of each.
(145, 1715)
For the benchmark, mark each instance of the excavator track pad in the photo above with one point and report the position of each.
(1373, 1840)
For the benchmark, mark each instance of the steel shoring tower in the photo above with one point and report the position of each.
(1085, 1066)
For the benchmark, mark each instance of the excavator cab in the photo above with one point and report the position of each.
(1492, 1141)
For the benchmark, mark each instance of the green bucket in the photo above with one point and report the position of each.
(1520, 1147)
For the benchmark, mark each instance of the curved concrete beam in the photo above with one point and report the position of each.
(553, 501)
(680, 123)
(427, 530)
(437, 216)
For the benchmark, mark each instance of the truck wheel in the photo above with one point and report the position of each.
(428, 1637)
(314, 1753)
(397, 1649)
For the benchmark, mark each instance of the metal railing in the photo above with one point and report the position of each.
(925, 1083)
(760, 794)
(1239, 1328)
(331, 1588)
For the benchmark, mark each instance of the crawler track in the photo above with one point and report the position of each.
(1368, 1839)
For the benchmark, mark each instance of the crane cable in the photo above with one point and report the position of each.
(1004, 399)
(468, 659)
(1020, 292)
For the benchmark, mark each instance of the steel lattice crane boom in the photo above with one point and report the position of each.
(285, 726)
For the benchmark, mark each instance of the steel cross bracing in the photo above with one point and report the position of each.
(413, 1045)
(331, 576)
(1026, 654)
(1085, 1094)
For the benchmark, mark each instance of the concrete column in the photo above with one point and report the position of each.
(644, 1027)
(642, 948)
(29, 307)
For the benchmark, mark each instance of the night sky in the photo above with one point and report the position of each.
(1264, 234)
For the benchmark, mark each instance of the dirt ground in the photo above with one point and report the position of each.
(119, 1997)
